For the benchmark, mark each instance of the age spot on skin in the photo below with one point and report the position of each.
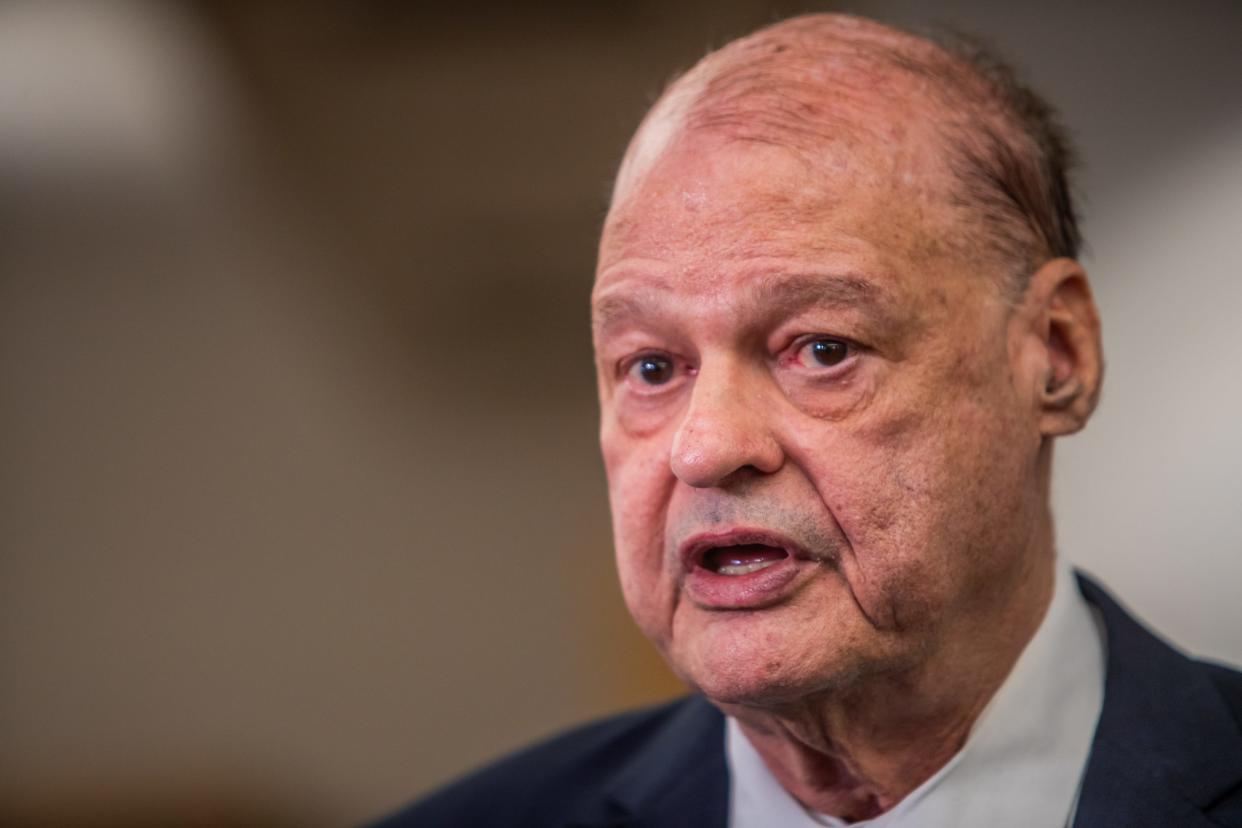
(693, 199)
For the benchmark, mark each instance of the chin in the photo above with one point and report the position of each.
(750, 691)
(755, 676)
(763, 660)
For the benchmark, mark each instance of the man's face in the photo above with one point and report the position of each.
(820, 462)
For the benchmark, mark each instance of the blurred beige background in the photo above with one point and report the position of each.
(300, 505)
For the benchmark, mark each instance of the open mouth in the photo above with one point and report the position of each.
(742, 559)
(742, 568)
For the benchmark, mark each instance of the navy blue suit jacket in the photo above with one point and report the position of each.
(1167, 752)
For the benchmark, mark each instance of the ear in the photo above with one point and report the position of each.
(1066, 325)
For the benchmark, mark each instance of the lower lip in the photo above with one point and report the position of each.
(754, 590)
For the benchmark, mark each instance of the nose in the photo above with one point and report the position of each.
(726, 430)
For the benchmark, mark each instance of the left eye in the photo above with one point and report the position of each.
(824, 352)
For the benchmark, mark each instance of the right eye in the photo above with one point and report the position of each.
(651, 369)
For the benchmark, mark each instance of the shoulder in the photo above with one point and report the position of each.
(1169, 738)
(1228, 683)
(554, 778)
(1139, 656)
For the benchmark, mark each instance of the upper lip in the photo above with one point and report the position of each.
(695, 547)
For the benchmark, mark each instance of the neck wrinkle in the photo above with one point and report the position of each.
(857, 754)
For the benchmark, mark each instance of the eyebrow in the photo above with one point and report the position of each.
(615, 309)
(778, 294)
(805, 290)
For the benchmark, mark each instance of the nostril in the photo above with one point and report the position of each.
(703, 463)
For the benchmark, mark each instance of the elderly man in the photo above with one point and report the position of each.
(839, 323)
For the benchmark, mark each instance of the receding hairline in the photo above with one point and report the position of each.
(707, 94)
(1004, 151)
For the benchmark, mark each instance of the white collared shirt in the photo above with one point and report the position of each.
(1022, 762)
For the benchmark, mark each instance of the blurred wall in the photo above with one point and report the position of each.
(301, 510)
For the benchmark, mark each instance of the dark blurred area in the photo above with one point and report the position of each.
(301, 506)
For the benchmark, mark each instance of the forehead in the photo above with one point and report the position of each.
(712, 207)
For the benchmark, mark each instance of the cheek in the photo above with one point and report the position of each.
(878, 493)
(926, 499)
(639, 484)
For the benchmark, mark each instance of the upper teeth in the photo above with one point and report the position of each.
(743, 568)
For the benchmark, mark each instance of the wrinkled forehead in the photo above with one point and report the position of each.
(711, 196)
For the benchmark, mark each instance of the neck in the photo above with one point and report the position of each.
(855, 753)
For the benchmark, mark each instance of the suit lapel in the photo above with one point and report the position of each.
(1166, 745)
(680, 779)
(1123, 788)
